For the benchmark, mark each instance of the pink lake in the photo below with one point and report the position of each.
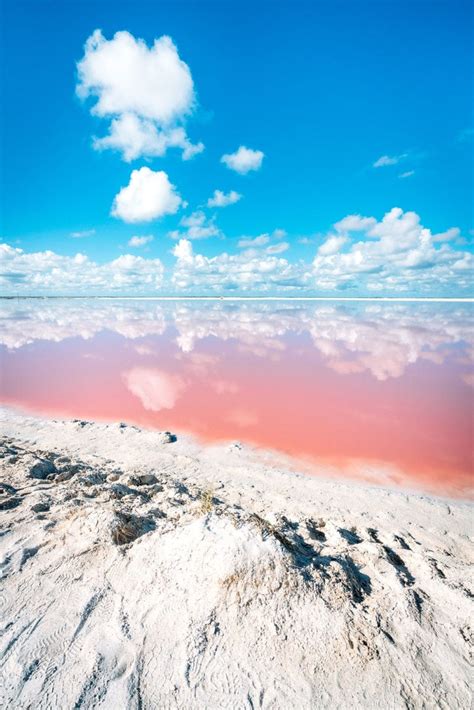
(375, 391)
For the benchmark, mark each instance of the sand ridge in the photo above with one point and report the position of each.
(143, 570)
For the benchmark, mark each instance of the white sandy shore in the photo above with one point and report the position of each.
(139, 572)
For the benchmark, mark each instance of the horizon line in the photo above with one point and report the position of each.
(400, 299)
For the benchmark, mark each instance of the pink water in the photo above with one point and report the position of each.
(380, 393)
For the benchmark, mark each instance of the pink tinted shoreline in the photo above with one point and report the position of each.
(351, 472)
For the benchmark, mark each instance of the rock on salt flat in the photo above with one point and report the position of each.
(144, 572)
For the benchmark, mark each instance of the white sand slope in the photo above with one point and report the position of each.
(139, 572)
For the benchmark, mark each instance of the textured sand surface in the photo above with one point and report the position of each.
(143, 572)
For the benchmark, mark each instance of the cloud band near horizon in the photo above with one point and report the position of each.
(396, 255)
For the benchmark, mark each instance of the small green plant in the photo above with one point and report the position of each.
(207, 500)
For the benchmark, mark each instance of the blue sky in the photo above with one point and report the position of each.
(322, 89)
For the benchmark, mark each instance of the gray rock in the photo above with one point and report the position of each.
(142, 479)
(64, 476)
(126, 527)
(9, 503)
(93, 479)
(63, 460)
(41, 470)
(81, 422)
(156, 488)
(118, 491)
(167, 437)
(73, 468)
(41, 507)
(7, 488)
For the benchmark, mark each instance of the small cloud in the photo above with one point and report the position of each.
(140, 241)
(248, 242)
(83, 234)
(354, 223)
(277, 248)
(198, 226)
(262, 239)
(183, 251)
(332, 245)
(407, 174)
(221, 199)
(243, 160)
(149, 195)
(448, 235)
(385, 160)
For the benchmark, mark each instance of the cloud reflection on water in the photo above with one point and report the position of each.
(383, 339)
(381, 391)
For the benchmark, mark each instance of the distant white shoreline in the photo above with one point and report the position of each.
(283, 298)
(374, 299)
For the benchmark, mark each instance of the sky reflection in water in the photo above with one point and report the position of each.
(382, 392)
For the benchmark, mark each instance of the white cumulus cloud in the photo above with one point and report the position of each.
(146, 92)
(197, 226)
(140, 241)
(250, 270)
(183, 251)
(222, 199)
(395, 255)
(277, 248)
(243, 160)
(136, 137)
(398, 254)
(262, 240)
(149, 195)
(448, 235)
(354, 223)
(48, 272)
(332, 245)
(259, 241)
